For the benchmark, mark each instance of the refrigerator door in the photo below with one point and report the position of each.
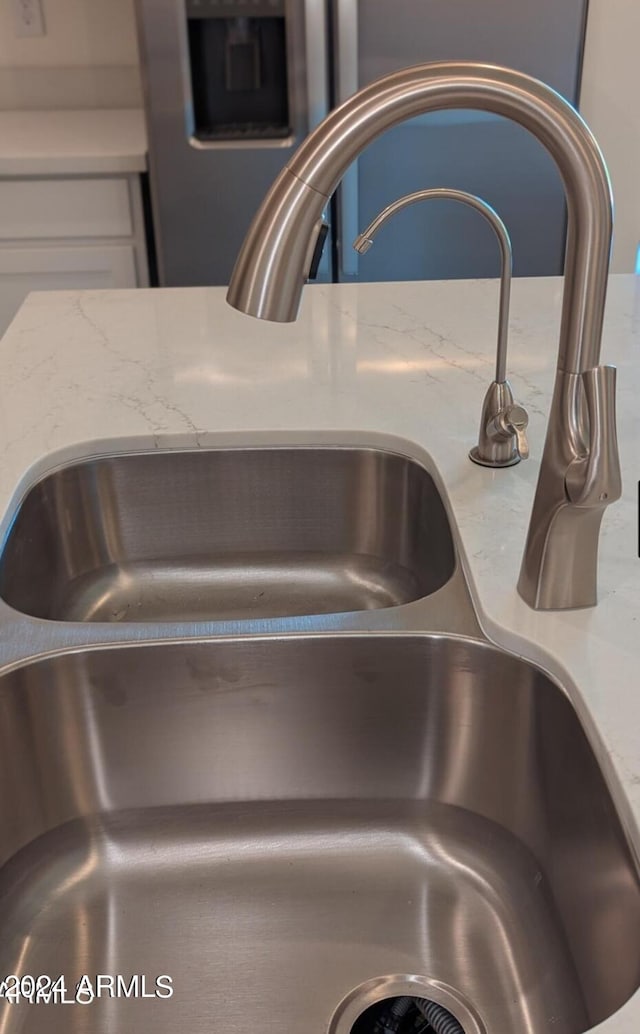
(483, 154)
(231, 88)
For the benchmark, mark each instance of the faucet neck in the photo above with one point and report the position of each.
(270, 272)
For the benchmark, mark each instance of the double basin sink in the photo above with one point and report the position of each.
(320, 779)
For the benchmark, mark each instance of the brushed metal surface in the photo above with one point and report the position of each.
(275, 821)
(559, 567)
(227, 535)
(201, 191)
(267, 282)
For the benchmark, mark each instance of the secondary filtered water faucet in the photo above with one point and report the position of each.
(502, 441)
(580, 470)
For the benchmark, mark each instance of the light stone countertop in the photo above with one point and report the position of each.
(412, 360)
(57, 143)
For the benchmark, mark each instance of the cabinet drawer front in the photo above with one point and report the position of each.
(92, 267)
(46, 209)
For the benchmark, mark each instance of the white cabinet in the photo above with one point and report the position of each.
(66, 233)
(59, 268)
(32, 208)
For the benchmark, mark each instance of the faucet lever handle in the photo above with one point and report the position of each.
(512, 422)
(595, 479)
(516, 421)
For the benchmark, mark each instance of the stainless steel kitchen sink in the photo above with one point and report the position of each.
(227, 534)
(272, 822)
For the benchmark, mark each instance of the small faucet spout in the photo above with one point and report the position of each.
(559, 565)
(365, 239)
(502, 441)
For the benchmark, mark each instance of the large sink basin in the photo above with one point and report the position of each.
(273, 822)
(227, 534)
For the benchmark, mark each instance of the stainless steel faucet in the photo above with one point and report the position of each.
(580, 470)
(502, 441)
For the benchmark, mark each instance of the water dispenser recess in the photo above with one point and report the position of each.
(238, 59)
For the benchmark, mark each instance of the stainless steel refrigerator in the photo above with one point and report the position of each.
(233, 86)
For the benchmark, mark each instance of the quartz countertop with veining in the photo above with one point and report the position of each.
(411, 360)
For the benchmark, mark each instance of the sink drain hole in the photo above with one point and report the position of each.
(407, 1014)
(438, 1018)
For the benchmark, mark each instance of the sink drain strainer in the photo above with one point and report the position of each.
(405, 1004)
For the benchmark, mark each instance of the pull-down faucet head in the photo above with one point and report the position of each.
(580, 472)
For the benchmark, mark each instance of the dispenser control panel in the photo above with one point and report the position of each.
(239, 65)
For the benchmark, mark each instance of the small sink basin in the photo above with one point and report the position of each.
(273, 822)
(227, 534)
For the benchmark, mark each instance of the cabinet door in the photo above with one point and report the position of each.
(36, 209)
(61, 268)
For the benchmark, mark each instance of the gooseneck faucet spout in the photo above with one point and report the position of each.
(579, 473)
